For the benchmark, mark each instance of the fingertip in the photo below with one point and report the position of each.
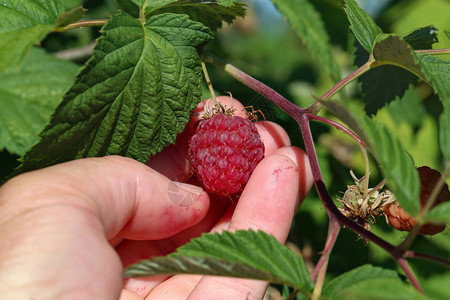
(270, 198)
(300, 159)
(129, 295)
(273, 136)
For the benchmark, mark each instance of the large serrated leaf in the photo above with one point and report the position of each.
(378, 289)
(133, 96)
(396, 164)
(28, 96)
(24, 23)
(437, 72)
(311, 30)
(70, 16)
(338, 285)
(362, 25)
(209, 12)
(244, 254)
(391, 49)
(396, 68)
(198, 265)
(422, 38)
(440, 214)
(383, 85)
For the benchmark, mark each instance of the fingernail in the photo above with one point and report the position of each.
(189, 187)
(177, 193)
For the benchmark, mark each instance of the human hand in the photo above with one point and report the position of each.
(66, 230)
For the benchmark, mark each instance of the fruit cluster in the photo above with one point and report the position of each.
(224, 151)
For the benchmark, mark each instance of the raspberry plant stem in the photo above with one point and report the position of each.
(409, 273)
(338, 126)
(333, 231)
(352, 76)
(301, 116)
(256, 85)
(442, 51)
(208, 82)
(99, 22)
(319, 272)
(435, 259)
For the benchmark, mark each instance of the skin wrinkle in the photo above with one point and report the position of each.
(237, 288)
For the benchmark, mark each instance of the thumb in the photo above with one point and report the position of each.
(55, 224)
(129, 199)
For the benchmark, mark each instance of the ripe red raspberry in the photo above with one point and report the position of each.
(401, 220)
(224, 151)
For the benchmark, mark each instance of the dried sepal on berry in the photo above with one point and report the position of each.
(361, 205)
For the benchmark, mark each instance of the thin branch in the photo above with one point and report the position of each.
(319, 272)
(435, 259)
(75, 53)
(254, 84)
(442, 51)
(208, 81)
(85, 23)
(338, 126)
(333, 231)
(410, 274)
(355, 74)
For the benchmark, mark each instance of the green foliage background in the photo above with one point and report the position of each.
(272, 52)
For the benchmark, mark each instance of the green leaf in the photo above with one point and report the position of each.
(209, 12)
(28, 96)
(243, 254)
(198, 265)
(444, 132)
(440, 214)
(311, 30)
(70, 16)
(134, 95)
(437, 71)
(447, 33)
(362, 25)
(436, 287)
(24, 23)
(383, 85)
(379, 289)
(140, 3)
(396, 164)
(422, 38)
(338, 286)
(408, 109)
(129, 7)
(386, 82)
(391, 49)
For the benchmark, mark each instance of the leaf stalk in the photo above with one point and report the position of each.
(86, 23)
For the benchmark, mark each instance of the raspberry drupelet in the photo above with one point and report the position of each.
(224, 151)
